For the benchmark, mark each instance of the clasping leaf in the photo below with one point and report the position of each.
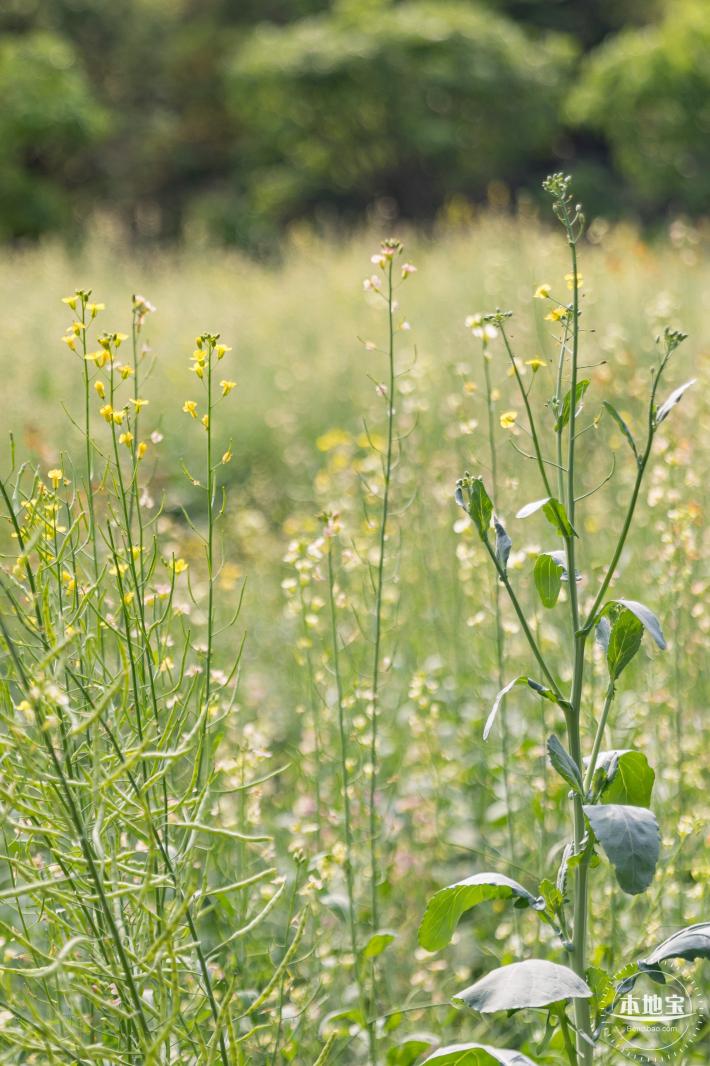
(447, 905)
(631, 840)
(665, 409)
(533, 983)
(477, 1055)
(547, 693)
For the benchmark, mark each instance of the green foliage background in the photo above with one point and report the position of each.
(238, 118)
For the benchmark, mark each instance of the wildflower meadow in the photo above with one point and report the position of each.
(353, 644)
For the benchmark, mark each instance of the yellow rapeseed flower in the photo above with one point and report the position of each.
(70, 301)
(190, 408)
(125, 370)
(106, 412)
(141, 449)
(557, 314)
(55, 476)
(226, 387)
(542, 292)
(535, 364)
(205, 421)
(569, 278)
(179, 566)
(138, 403)
(126, 438)
(95, 308)
(100, 389)
(508, 419)
(221, 350)
(227, 457)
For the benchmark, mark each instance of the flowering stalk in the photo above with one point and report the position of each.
(208, 351)
(331, 528)
(485, 333)
(624, 828)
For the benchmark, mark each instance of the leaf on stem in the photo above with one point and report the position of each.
(472, 496)
(548, 574)
(477, 1055)
(564, 764)
(622, 426)
(631, 841)
(620, 627)
(378, 943)
(547, 693)
(665, 409)
(503, 544)
(532, 983)
(625, 777)
(564, 415)
(690, 943)
(410, 1048)
(445, 908)
(625, 638)
(553, 511)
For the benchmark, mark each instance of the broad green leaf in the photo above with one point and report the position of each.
(631, 840)
(564, 415)
(622, 426)
(447, 905)
(629, 778)
(690, 943)
(548, 578)
(624, 641)
(522, 680)
(533, 983)
(408, 1050)
(378, 942)
(477, 1055)
(665, 409)
(601, 985)
(553, 511)
(503, 544)
(564, 764)
(472, 496)
(647, 618)
(552, 896)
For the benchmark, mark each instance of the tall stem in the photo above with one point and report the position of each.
(585, 1048)
(378, 600)
(347, 817)
(500, 635)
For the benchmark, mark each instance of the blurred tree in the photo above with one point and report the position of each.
(412, 103)
(648, 92)
(589, 22)
(245, 114)
(48, 119)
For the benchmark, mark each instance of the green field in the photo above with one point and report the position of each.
(306, 424)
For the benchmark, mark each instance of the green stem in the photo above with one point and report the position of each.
(534, 647)
(528, 409)
(347, 817)
(500, 635)
(609, 699)
(374, 875)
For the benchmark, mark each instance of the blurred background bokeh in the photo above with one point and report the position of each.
(236, 118)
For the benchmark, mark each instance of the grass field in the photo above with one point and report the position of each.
(307, 429)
